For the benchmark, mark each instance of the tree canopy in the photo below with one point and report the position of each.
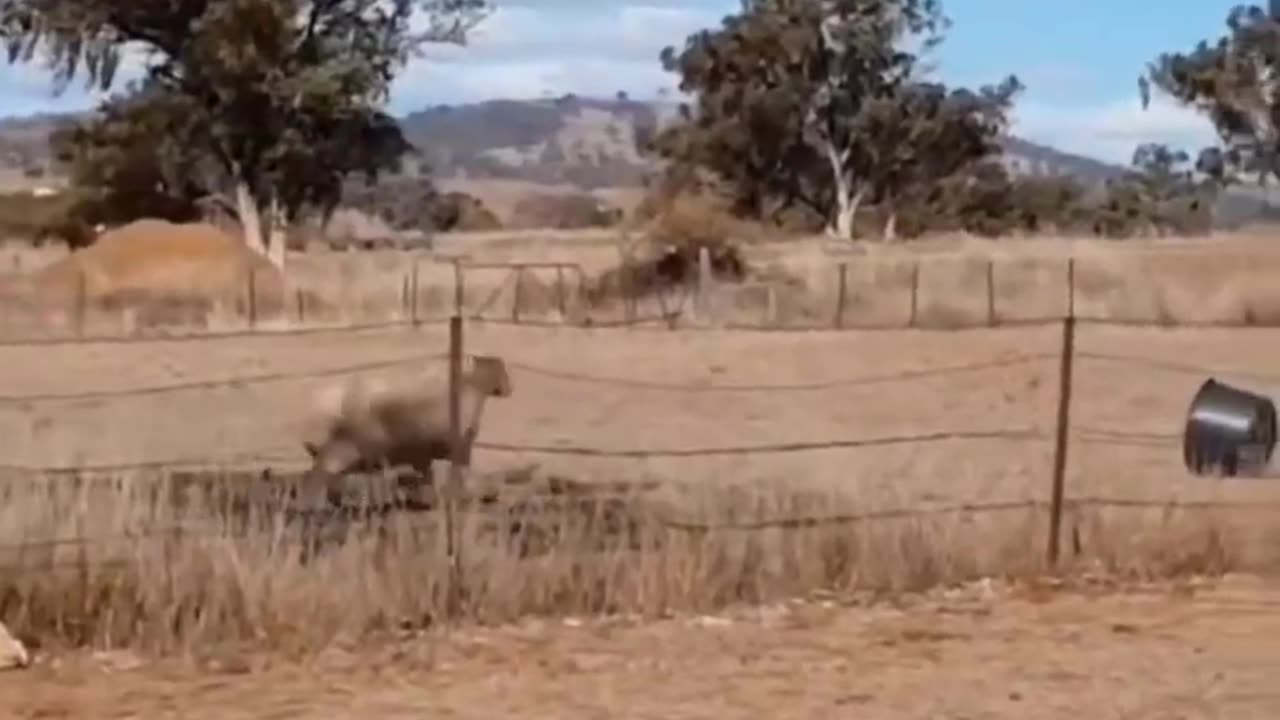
(817, 104)
(1235, 82)
(264, 105)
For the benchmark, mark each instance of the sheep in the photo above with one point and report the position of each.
(373, 426)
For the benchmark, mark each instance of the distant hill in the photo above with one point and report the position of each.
(582, 141)
(588, 142)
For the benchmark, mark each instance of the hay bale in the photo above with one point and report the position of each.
(159, 263)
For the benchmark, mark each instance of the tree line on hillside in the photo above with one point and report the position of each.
(811, 114)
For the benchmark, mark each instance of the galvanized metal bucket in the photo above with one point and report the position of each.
(1229, 431)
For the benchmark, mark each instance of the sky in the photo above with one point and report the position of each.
(1080, 61)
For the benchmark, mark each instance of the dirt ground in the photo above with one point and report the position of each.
(1192, 650)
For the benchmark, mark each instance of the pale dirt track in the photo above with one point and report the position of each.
(1151, 652)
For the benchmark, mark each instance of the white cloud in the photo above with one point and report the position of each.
(522, 50)
(1111, 131)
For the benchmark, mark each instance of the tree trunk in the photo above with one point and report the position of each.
(846, 213)
(276, 240)
(847, 200)
(891, 227)
(250, 217)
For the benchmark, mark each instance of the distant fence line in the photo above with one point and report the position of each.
(684, 307)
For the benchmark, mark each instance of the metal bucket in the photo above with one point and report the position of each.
(1229, 431)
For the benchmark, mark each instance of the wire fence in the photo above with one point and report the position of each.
(702, 303)
(1064, 433)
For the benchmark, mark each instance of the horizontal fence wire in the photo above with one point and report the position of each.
(1022, 434)
(1099, 436)
(239, 462)
(230, 462)
(235, 381)
(860, 380)
(213, 335)
(206, 531)
(263, 378)
(669, 322)
(1148, 363)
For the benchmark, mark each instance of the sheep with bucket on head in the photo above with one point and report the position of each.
(370, 425)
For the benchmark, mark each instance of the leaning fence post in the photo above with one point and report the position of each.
(842, 293)
(459, 290)
(561, 304)
(991, 292)
(453, 487)
(413, 294)
(1065, 370)
(915, 294)
(301, 302)
(82, 301)
(704, 286)
(517, 295)
(253, 298)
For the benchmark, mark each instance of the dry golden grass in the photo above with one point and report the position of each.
(216, 587)
(216, 584)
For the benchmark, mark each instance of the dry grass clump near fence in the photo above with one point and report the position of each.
(199, 580)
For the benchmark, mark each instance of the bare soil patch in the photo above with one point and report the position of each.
(1186, 650)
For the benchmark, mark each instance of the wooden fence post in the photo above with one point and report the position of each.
(413, 294)
(459, 290)
(705, 282)
(991, 292)
(453, 487)
(1065, 371)
(517, 294)
(560, 294)
(81, 309)
(253, 298)
(915, 294)
(842, 294)
(629, 290)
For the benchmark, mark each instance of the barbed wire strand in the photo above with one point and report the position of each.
(235, 381)
(870, 379)
(642, 323)
(1153, 324)
(778, 448)
(206, 531)
(263, 378)
(213, 335)
(231, 462)
(1175, 367)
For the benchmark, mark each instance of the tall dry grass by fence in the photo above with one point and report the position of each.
(138, 552)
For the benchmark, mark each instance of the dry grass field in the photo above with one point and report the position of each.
(729, 424)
